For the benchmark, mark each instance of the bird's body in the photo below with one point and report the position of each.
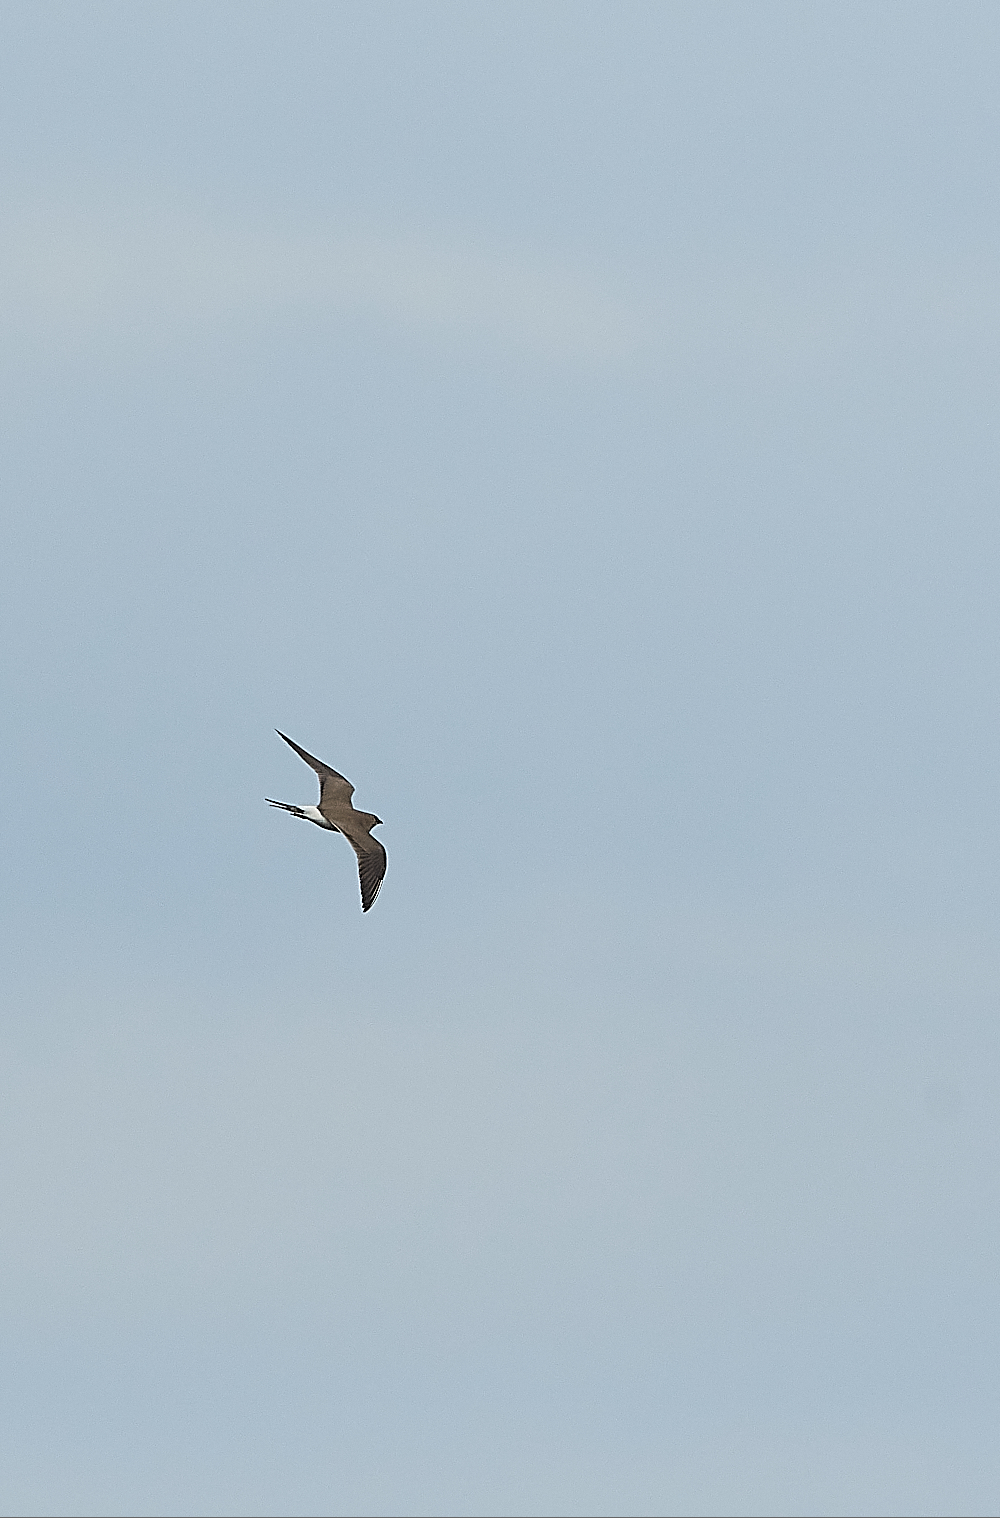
(337, 815)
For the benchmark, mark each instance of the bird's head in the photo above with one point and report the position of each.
(377, 822)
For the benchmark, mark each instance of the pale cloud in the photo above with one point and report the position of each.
(141, 276)
(133, 279)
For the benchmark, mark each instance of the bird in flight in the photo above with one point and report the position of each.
(336, 813)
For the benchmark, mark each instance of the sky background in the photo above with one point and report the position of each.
(577, 423)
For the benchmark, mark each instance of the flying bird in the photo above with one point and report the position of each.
(337, 815)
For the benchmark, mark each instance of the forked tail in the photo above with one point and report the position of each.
(286, 806)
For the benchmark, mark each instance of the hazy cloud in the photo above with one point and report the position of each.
(137, 277)
(158, 276)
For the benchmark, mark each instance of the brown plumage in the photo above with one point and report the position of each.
(336, 813)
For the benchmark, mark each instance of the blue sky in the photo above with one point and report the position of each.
(576, 423)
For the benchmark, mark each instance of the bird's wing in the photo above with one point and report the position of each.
(371, 865)
(333, 787)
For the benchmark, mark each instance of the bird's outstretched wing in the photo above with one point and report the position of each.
(371, 867)
(333, 787)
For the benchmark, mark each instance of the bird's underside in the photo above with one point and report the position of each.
(336, 813)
